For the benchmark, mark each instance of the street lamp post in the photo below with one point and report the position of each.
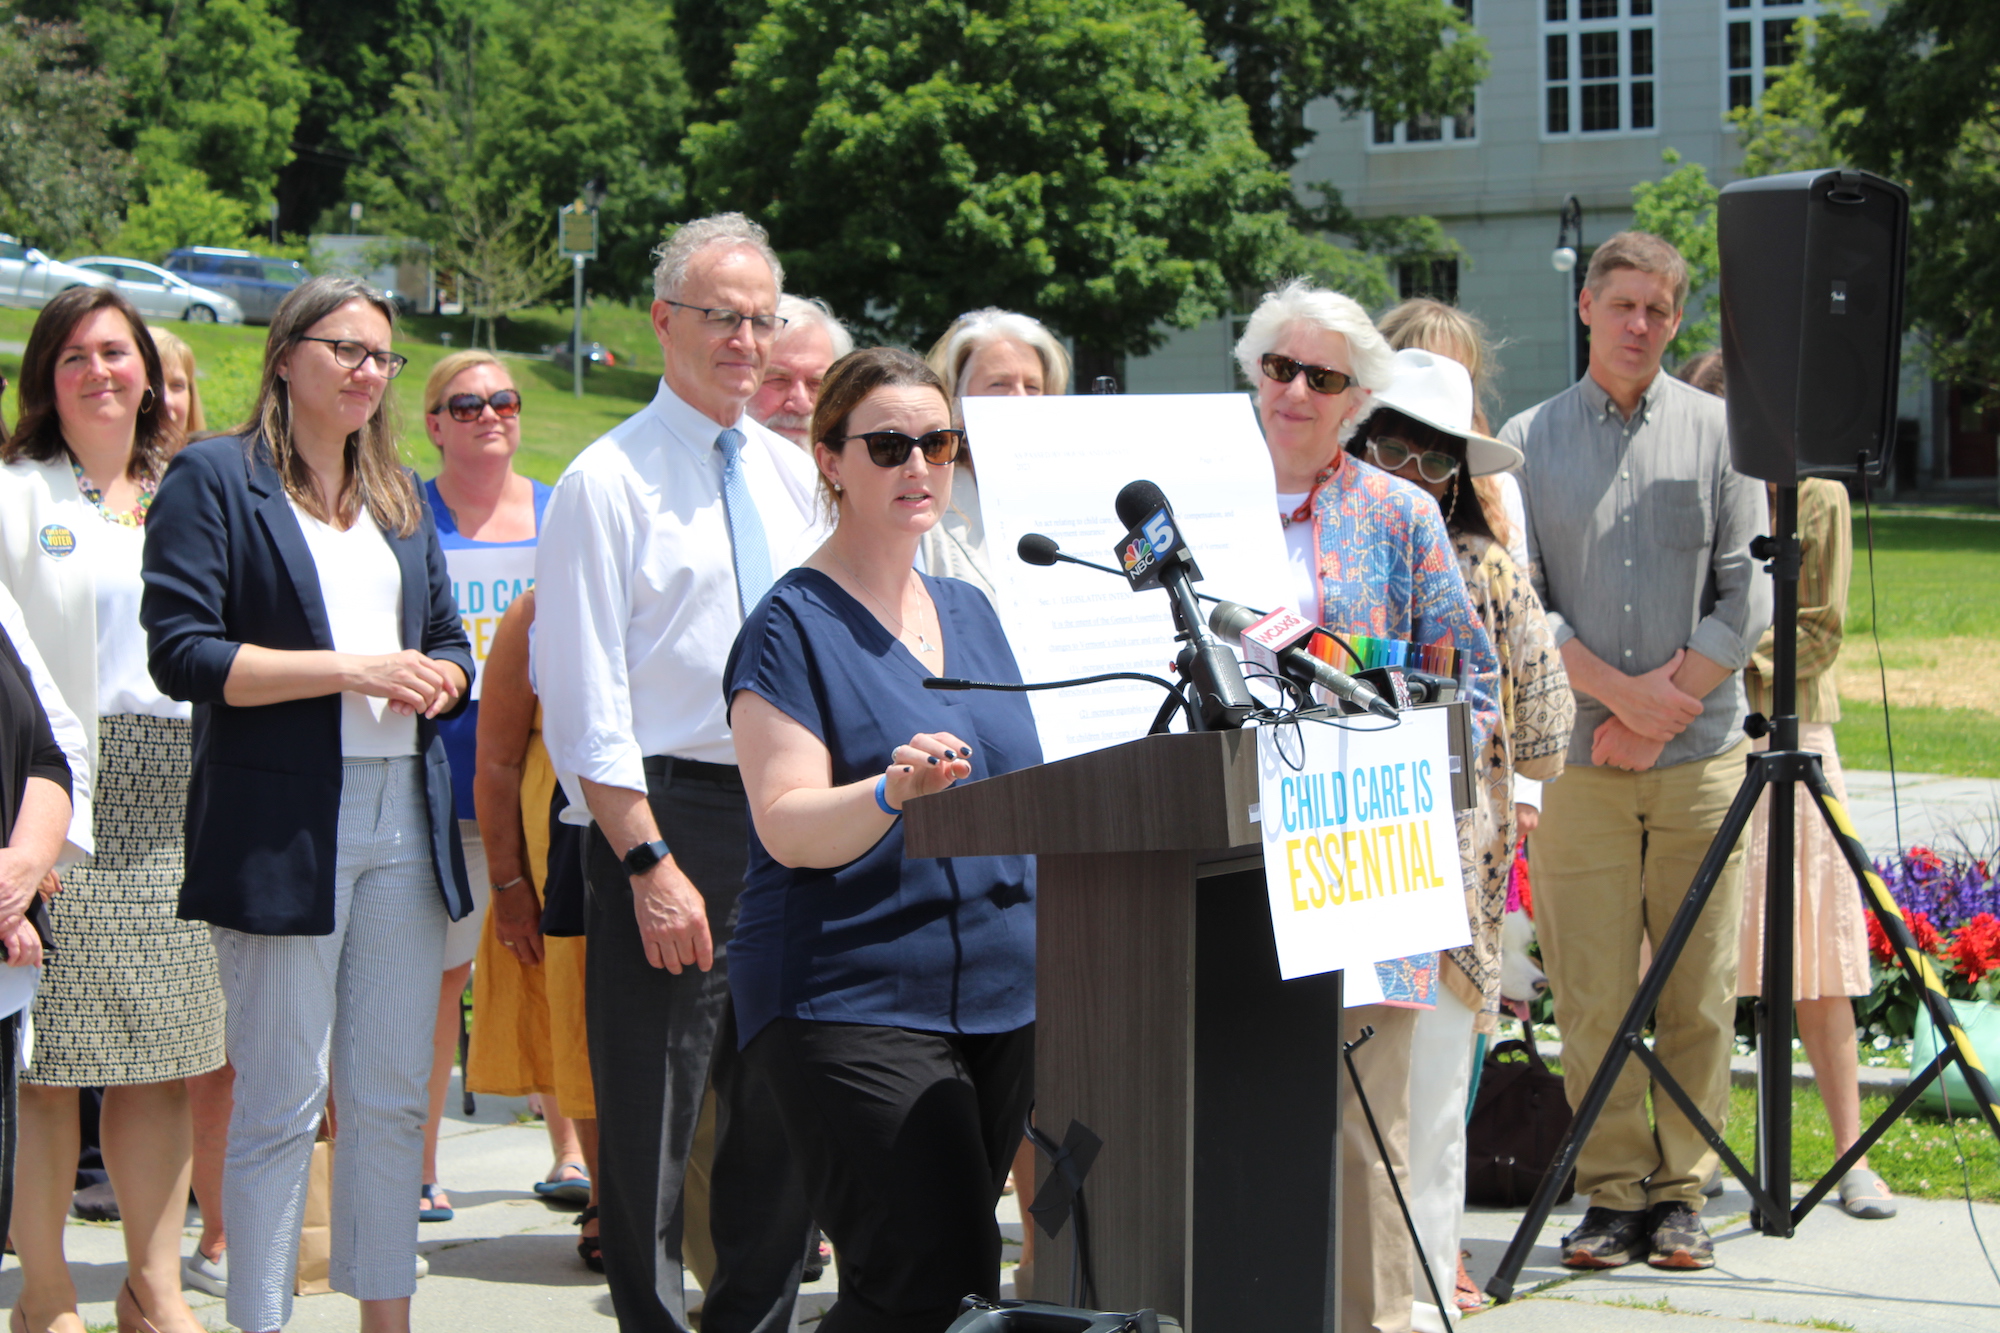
(1569, 242)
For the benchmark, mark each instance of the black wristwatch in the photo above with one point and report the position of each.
(644, 857)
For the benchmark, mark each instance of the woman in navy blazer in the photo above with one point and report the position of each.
(296, 593)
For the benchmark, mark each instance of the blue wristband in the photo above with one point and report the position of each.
(882, 796)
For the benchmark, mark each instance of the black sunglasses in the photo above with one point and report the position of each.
(468, 406)
(891, 448)
(1320, 379)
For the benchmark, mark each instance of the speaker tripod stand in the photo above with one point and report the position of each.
(1780, 770)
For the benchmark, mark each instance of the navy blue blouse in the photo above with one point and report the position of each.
(939, 945)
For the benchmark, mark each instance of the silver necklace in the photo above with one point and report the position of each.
(923, 644)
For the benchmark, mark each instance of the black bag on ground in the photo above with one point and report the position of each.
(1517, 1124)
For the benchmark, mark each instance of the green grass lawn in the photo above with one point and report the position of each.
(1936, 577)
(1916, 1156)
(1962, 742)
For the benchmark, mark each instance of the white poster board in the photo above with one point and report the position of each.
(1055, 466)
(1360, 847)
(485, 583)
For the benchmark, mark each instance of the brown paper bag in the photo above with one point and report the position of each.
(316, 1230)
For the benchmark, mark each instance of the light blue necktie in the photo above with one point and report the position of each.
(746, 530)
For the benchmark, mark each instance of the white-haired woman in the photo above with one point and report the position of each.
(985, 353)
(1369, 554)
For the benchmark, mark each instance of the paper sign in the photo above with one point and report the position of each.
(485, 583)
(1360, 848)
(1055, 466)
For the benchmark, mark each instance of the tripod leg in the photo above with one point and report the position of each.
(1908, 1098)
(1914, 961)
(1361, 1096)
(1665, 953)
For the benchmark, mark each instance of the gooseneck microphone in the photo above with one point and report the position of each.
(1153, 551)
(1037, 549)
(1230, 619)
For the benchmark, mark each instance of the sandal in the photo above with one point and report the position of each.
(571, 1190)
(587, 1247)
(1866, 1195)
(1467, 1297)
(430, 1210)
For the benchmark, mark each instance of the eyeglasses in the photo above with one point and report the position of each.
(723, 321)
(1433, 465)
(349, 355)
(891, 448)
(1320, 379)
(468, 406)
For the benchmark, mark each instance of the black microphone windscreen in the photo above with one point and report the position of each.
(1230, 619)
(1138, 501)
(1037, 549)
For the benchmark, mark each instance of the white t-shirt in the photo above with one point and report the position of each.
(362, 586)
(124, 682)
(1301, 559)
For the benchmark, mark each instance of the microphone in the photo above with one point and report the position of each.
(1037, 549)
(1152, 553)
(1236, 622)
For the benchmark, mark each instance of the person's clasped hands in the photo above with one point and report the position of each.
(411, 682)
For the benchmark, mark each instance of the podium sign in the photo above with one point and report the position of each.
(1360, 847)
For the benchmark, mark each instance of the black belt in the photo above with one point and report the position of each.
(674, 769)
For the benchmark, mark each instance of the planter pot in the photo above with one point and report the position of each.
(1981, 1021)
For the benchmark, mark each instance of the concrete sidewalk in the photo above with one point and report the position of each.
(1949, 815)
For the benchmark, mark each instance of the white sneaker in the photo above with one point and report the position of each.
(206, 1274)
(423, 1267)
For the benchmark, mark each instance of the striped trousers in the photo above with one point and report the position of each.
(362, 1000)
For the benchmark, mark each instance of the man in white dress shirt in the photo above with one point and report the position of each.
(657, 540)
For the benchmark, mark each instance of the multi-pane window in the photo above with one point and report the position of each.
(1437, 278)
(1598, 67)
(1461, 127)
(1759, 38)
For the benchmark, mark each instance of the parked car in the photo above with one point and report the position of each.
(595, 354)
(159, 294)
(256, 282)
(30, 278)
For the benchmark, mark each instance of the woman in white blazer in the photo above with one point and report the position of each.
(129, 1000)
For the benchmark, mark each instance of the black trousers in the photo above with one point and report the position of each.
(656, 1040)
(905, 1139)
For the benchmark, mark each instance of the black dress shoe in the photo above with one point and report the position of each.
(96, 1203)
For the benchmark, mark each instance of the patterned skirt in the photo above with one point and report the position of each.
(131, 993)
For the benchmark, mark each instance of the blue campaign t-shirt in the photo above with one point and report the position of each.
(461, 732)
(944, 944)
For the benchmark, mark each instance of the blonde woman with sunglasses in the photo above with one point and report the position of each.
(487, 517)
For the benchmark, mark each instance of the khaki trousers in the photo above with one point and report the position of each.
(1611, 863)
(1376, 1269)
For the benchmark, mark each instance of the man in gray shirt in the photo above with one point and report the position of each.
(1639, 535)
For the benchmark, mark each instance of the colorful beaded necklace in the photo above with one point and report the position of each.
(134, 519)
(1304, 513)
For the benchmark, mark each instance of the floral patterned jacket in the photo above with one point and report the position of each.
(1538, 712)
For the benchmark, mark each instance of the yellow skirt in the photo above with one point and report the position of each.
(527, 1022)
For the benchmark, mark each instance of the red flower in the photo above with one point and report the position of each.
(1926, 933)
(1878, 941)
(1976, 946)
(1924, 859)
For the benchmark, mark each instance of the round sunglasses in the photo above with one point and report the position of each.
(891, 448)
(1433, 465)
(1320, 379)
(467, 406)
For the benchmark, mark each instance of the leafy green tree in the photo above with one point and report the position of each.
(547, 96)
(62, 181)
(1397, 58)
(1069, 158)
(215, 86)
(1915, 96)
(1680, 208)
(180, 209)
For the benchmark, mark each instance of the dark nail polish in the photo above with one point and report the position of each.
(909, 768)
(933, 759)
(965, 751)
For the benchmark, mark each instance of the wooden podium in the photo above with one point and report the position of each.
(1163, 1027)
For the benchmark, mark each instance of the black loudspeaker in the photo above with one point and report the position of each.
(1812, 321)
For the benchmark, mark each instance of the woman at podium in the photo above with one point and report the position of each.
(889, 1004)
